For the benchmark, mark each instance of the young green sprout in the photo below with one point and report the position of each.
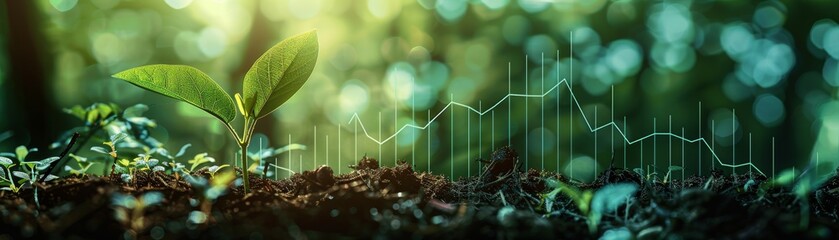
(592, 205)
(271, 81)
(31, 171)
(111, 150)
(82, 163)
(6, 179)
(130, 210)
(260, 159)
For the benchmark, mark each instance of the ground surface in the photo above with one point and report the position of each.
(502, 202)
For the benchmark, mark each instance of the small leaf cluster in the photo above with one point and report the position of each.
(113, 119)
(591, 204)
(27, 172)
(129, 210)
(259, 158)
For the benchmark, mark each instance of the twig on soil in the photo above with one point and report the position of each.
(570, 213)
(63, 154)
(501, 178)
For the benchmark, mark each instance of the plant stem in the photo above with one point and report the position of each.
(245, 172)
(247, 133)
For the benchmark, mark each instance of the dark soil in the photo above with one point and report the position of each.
(396, 202)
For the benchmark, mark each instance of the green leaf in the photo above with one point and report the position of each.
(279, 73)
(118, 137)
(21, 175)
(21, 153)
(183, 83)
(92, 116)
(76, 111)
(785, 178)
(607, 199)
(135, 111)
(5, 161)
(104, 110)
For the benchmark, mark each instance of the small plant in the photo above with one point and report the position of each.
(260, 164)
(6, 178)
(82, 163)
(269, 83)
(592, 205)
(30, 171)
(130, 210)
(110, 117)
(215, 168)
(802, 186)
(199, 159)
(208, 192)
(112, 149)
(670, 169)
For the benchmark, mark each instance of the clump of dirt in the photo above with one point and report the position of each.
(503, 201)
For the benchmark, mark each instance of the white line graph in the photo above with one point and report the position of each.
(575, 102)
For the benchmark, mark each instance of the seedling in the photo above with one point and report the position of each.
(111, 150)
(669, 171)
(199, 159)
(802, 186)
(215, 168)
(130, 210)
(260, 157)
(269, 83)
(99, 116)
(82, 163)
(209, 191)
(31, 171)
(593, 205)
(143, 162)
(112, 119)
(6, 178)
(165, 153)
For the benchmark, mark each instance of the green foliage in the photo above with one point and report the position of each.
(114, 127)
(259, 158)
(97, 114)
(670, 170)
(5, 135)
(580, 198)
(591, 204)
(802, 185)
(6, 179)
(28, 172)
(82, 163)
(186, 84)
(607, 199)
(199, 159)
(215, 168)
(214, 188)
(279, 73)
(130, 210)
(181, 152)
(271, 81)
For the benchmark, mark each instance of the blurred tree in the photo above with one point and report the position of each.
(28, 76)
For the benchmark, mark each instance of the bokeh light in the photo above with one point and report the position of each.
(408, 59)
(769, 110)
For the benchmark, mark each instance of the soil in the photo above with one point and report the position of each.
(397, 202)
